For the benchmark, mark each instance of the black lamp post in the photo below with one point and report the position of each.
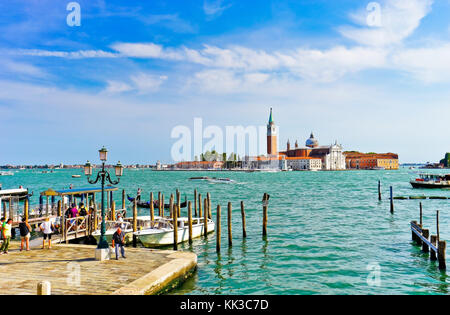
(104, 176)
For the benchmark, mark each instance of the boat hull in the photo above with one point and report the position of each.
(429, 185)
(165, 238)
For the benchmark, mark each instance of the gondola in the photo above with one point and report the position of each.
(146, 204)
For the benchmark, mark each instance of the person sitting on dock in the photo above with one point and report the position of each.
(47, 228)
(25, 235)
(118, 240)
(6, 232)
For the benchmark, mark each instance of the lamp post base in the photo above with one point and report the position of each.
(102, 254)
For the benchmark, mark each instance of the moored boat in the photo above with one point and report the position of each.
(431, 181)
(111, 228)
(161, 231)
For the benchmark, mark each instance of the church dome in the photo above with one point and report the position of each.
(312, 142)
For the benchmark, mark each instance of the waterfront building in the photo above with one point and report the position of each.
(202, 165)
(371, 161)
(331, 157)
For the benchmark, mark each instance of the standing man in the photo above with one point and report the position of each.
(6, 232)
(138, 197)
(118, 241)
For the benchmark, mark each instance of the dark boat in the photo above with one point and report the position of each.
(431, 181)
(146, 204)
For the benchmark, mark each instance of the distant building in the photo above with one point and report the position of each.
(331, 157)
(272, 137)
(368, 161)
(213, 165)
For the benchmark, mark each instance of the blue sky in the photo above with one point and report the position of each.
(134, 70)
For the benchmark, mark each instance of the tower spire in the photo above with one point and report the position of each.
(271, 117)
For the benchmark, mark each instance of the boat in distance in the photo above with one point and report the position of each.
(161, 232)
(435, 181)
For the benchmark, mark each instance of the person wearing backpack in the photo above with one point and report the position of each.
(25, 235)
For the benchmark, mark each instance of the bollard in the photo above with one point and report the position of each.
(199, 205)
(426, 235)
(152, 208)
(379, 190)
(60, 208)
(175, 228)
(25, 210)
(205, 218)
(421, 215)
(392, 200)
(134, 223)
(159, 203)
(171, 206)
(442, 245)
(433, 254)
(208, 197)
(113, 211)
(230, 233)
(244, 228)
(190, 221)
(218, 230)
(195, 202)
(265, 210)
(124, 206)
(44, 288)
(178, 204)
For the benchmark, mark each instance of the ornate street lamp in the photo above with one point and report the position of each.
(104, 176)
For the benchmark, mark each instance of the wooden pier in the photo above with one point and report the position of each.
(433, 245)
(72, 270)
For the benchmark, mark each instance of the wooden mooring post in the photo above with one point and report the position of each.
(152, 208)
(162, 205)
(175, 228)
(135, 222)
(218, 229)
(265, 213)
(190, 221)
(113, 211)
(178, 203)
(171, 206)
(205, 218)
(434, 245)
(244, 228)
(199, 205)
(124, 205)
(230, 233)
(208, 197)
(25, 210)
(392, 199)
(379, 190)
(159, 203)
(195, 202)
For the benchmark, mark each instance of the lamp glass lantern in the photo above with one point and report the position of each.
(119, 169)
(88, 169)
(103, 152)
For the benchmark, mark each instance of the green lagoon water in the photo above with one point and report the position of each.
(325, 229)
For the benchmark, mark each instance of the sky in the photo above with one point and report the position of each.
(373, 76)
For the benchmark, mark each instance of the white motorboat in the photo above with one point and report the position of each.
(111, 228)
(8, 173)
(161, 231)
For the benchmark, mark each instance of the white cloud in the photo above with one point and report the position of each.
(399, 19)
(426, 64)
(141, 83)
(214, 7)
(147, 83)
(21, 68)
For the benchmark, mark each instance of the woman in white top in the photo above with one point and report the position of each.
(47, 228)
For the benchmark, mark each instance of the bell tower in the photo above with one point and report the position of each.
(272, 135)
